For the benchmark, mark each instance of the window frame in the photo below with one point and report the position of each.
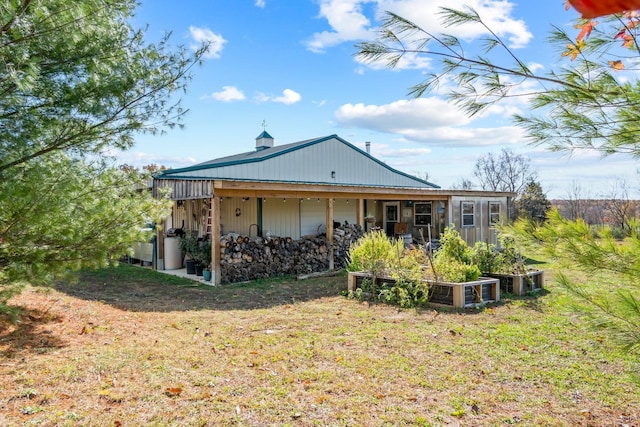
(495, 217)
(421, 214)
(464, 214)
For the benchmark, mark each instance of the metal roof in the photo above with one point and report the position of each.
(261, 155)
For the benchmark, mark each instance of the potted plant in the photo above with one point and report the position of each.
(204, 259)
(189, 246)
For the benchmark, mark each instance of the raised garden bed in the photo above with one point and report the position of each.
(464, 294)
(519, 284)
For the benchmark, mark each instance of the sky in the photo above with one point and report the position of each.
(289, 67)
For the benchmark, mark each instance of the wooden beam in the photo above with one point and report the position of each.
(184, 189)
(329, 228)
(215, 239)
(301, 191)
(360, 212)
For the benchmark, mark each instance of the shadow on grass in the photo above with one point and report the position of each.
(138, 289)
(29, 333)
(532, 301)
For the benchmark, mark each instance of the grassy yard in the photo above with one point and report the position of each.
(130, 347)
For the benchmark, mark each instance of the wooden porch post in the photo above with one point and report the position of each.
(330, 231)
(159, 248)
(215, 239)
(360, 212)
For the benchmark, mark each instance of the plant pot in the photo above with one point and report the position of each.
(206, 275)
(191, 266)
(199, 269)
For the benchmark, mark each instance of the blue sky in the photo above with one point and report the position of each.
(292, 65)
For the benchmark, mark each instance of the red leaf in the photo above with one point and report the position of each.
(595, 8)
(586, 30)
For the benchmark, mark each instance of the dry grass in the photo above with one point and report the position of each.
(131, 347)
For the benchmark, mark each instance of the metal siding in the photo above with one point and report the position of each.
(345, 210)
(231, 223)
(312, 216)
(280, 218)
(314, 163)
(481, 231)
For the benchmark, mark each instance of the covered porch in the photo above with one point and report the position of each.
(214, 208)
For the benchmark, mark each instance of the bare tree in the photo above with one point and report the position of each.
(617, 207)
(423, 175)
(463, 184)
(506, 172)
(576, 202)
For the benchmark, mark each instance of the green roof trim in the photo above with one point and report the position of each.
(269, 153)
(264, 134)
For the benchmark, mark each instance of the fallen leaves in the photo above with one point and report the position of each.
(173, 391)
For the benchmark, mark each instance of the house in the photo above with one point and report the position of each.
(307, 187)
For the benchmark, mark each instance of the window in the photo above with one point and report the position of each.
(494, 213)
(468, 217)
(422, 214)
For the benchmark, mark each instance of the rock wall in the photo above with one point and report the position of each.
(243, 258)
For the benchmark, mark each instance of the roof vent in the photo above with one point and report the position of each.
(264, 141)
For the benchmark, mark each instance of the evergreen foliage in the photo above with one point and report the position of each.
(590, 101)
(76, 81)
(533, 202)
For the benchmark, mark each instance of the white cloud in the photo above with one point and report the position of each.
(204, 35)
(401, 116)
(496, 14)
(387, 151)
(260, 3)
(347, 23)
(227, 94)
(431, 121)
(288, 97)
(139, 159)
(534, 66)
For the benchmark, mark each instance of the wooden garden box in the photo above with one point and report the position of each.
(520, 284)
(463, 294)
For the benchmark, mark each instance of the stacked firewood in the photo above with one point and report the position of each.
(244, 258)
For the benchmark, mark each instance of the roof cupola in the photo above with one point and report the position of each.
(264, 141)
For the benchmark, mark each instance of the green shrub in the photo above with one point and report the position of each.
(406, 293)
(450, 270)
(487, 257)
(453, 246)
(378, 255)
(375, 253)
(454, 260)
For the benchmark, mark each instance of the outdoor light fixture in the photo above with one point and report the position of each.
(333, 174)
